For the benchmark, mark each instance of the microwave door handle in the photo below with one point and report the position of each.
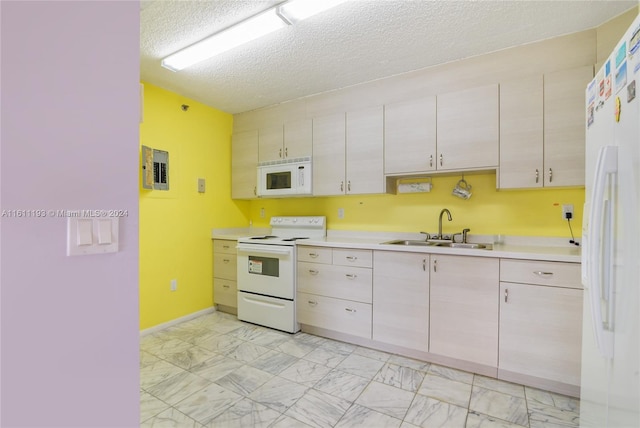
(301, 176)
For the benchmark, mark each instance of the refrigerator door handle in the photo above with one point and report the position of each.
(600, 236)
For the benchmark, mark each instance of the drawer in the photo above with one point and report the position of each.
(342, 282)
(558, 274)
(224, 246)
(351, 257)
(314, 254)
(225, 292)
(225, 266)
(334, 314)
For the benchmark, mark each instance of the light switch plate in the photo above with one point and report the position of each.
(92, 235)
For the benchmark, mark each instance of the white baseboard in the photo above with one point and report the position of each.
(159, 327)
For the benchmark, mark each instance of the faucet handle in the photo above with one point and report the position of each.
(428, 235)
(464, 235)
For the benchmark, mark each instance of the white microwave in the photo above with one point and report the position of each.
(285, 178)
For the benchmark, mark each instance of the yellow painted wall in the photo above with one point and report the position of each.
(488, 212)
(175, 225)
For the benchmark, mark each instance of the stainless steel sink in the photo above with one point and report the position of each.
(418, 243)
(410, 242)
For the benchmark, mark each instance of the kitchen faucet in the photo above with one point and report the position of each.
(440, 222)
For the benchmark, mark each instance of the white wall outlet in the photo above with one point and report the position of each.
(201, 185)
(567, 211)
(174, 284)
(340, 212)
(261, 212)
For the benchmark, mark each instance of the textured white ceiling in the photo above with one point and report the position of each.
(358, 41)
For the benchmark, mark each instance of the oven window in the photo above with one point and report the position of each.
(264, 266)
(279, 180)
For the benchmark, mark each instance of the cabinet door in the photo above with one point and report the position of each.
(297, 139)
(270, 144)
(244, 163)
(401, 299)
(468, 128)
(225, 266)
(365, 151)
(541, 331)
(342, 282)
(521, 133)
(564, 123)
(225, 292)
(464, 308)
(410, 136)
(329, 155)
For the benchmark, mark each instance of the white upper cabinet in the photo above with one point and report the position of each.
(564, 123)
(329, 155)
(521, 133)
(410, 136)
(348, 153)
(467, 126)
(244, 163)
(365, 151)
(293, 140)
(297, 139)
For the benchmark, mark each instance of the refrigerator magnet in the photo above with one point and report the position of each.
(618, 109)
(631, 91)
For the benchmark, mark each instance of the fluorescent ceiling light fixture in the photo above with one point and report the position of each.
(250, 29)
(297, 10)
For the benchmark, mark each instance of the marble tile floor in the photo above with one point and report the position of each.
(215, 371)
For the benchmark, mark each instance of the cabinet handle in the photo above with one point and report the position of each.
(424, 265)
(255, 191)
(506, 294)
(349, 186)
(225, 286)
(550, 175)
(435, 265)
(313, 255)
(342, 186)
(313, 272)
(226, 260)
(541, 273)
(537, 175)
(352, 258)
(440, 159)
(350, 310)
(280, 153)
(286, 152)
(351, 275)
(430, 160)
(312, 302)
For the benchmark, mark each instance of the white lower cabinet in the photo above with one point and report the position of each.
(334, 289)
(225, 288)
(401, 299)
(541, 321)
(464, 308)
(340, 315)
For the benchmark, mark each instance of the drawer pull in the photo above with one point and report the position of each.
(313, 255)
(424, 265)
(506, 294)
(435, 266)
(312, 302)
(313, 272)
(350, 310)
(541, 273)
(352, 258)
(225, 286)
(226, 247)
(351, 275)
(226, 260)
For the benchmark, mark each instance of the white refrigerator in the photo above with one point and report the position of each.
(610, 382)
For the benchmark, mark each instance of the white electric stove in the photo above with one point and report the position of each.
(267, 271)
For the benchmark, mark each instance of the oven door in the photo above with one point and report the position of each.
(268, 270)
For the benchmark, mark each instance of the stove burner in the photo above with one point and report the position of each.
(296, 238)
(263, 237)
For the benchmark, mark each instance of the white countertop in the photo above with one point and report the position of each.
(530, 248)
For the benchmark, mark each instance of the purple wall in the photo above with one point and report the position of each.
(69, 140)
